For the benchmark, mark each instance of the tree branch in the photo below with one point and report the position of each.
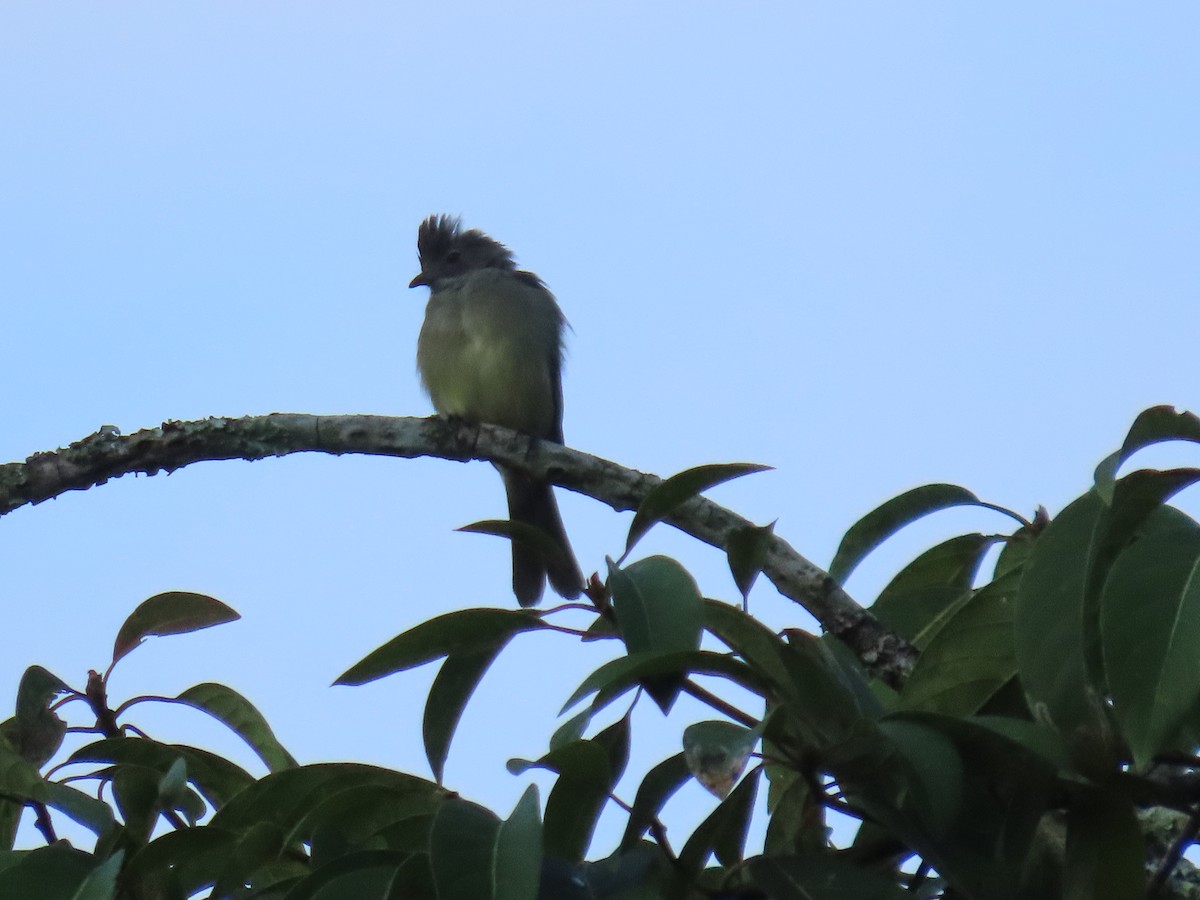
(109, 454)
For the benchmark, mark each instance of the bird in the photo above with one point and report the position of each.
(490, 351)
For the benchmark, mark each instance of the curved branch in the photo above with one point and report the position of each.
(109, 454)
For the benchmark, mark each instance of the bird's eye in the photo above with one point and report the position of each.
(453, 256)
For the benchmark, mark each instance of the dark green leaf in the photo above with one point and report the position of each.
(361, 811)
(797, 823)
(519, 851)
(972, 657)
(659, 610)
(934, 772)
(1150, 623)
(38, 688)
(1105, 849)
(364, 875)
(878, 525)
(821, 878)
(462, 851)
(260, 844)
(289, 798)
(47, 873)
(215, 777)
(746, 548)
(1057, 630)
(571, 730)
(240, 715)
(175, 612)
(462, 631)
(1154, 425)
(452, 688)
(928, 591)
(619, 675)
(586, 776)
(677, 490)
(16, 781)
(660, 783)
(724, 831)
(101, 883)
(135, 789)
(36, 739)
(172, 785)
(18, 777)
(761, 648)
(716, 754)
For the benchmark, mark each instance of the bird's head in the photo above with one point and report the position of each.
(445, 251)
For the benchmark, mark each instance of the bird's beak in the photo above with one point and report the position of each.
(420, 279)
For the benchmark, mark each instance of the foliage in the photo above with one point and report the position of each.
(1048, 727)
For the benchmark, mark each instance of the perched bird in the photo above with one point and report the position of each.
(491, 350)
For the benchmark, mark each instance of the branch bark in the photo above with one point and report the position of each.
(108, 454)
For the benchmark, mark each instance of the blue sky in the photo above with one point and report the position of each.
(871, 244)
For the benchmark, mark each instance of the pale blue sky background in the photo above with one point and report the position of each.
(871, 244)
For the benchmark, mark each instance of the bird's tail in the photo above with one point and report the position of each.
(532, 502)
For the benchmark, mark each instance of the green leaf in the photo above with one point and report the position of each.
(172, 785)
(935, 772)
(724, 831)
(36, 738)
(658, 606)
(101, 883)
(797, 823)
(452, 688)
(241, 716)
(659, 610)
(878, 525)
(260, 844)
(659, 784)
(1056, 630)
(37, 690)
(290, 798)
(716, 754)
(1105, 857)
(1150, 624)
(617, 676)
(135, 789)
(47, 873)
(18, 777)
(462, 851)
(519, 851)
(761, 648)
(586, 776)
(746, 549)
(1154, 425)
(175, 612)
(668, 496)
(216, 778)
(462, 631)
(36, 732)
(927, 592)
(830, 701)
(364, 875)
(821, 878)
(971, 657)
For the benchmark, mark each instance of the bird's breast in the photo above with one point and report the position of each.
(481, 359)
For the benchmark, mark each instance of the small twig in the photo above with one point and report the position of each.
(97, 697)
(42, 821)
(722, 706)
(919, 876)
